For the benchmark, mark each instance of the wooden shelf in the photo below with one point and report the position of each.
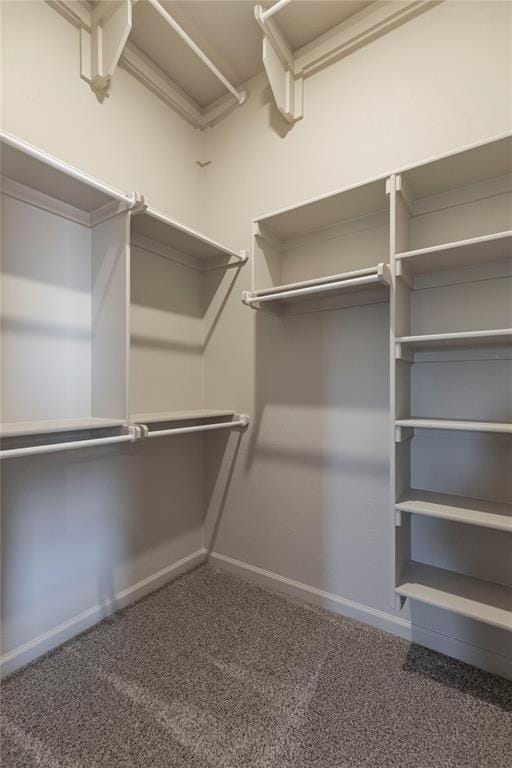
(458, 340)
(459, 509)
(19, 428)
(177, 236)
(476, 250)
(463, 426)
(477, 599)
(343, 283)
(171, 416)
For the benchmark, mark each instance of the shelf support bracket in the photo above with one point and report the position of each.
(102, 45)
(279, 62)
(402, 434)
(402, 353)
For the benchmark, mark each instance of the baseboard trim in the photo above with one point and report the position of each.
(27, 652)
(395, 625)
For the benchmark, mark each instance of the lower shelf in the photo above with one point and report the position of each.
(47, 426)
(474, 598)
(459, 509)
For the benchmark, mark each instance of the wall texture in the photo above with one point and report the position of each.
(308, 496)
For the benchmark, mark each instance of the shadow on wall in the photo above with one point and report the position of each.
(317, 455)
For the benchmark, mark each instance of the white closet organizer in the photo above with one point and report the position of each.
(175, 274)
(64, 277)
(66, 309)
(451, 380)
(333, 249)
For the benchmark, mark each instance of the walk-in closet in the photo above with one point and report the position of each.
(256, 384)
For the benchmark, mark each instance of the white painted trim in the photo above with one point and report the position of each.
(27, 652)
(388, 622)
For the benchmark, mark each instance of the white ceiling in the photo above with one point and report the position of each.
(228, 33)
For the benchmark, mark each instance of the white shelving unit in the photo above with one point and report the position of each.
(172, 269)
(64, 283)
(451, 301)
(69, 244)
(329, 252)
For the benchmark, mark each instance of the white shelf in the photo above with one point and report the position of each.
(171, 416)
(39, 171)
(177, 236)
(460, 339)
(346, 282)
(459, 509)
(463, 426)
(327, 210)
(19, 428)
(477, 599)
(476, 250)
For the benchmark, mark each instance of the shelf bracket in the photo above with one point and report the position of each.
(402, 353)
(398, 518)
(279, 63)
(402, 434)
(403, 271)
(102, 45)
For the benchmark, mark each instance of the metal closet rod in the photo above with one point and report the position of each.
(241, 421)
(253, 298)
(135, 432)
(240, 96)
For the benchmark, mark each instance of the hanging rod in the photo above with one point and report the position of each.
(274, 9)
(240, 96)
(241, 421)
(254, 298)
(27, 149)
(13, 453)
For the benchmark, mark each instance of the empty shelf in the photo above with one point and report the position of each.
(474, 598)
(464, 426)
(476, 250)
(29, 166)
(179, 237)
(461, 339)
(345, 282)
(460, 509)
(19, 428)
(168, 416)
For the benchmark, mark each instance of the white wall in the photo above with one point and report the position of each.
(308, 498)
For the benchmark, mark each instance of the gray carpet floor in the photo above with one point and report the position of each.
(212, 672)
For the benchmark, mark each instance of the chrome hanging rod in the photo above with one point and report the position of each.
(240, 96)
(74, 445)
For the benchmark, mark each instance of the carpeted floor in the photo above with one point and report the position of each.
(212, 672)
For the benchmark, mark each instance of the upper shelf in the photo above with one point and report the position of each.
(179, 237)
(48, 426)
(462, 168)
(30, 167)
(476, 250)
(347, 282)
(327, 210)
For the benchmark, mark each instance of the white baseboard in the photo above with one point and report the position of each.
(27, 652)
(471, 654)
